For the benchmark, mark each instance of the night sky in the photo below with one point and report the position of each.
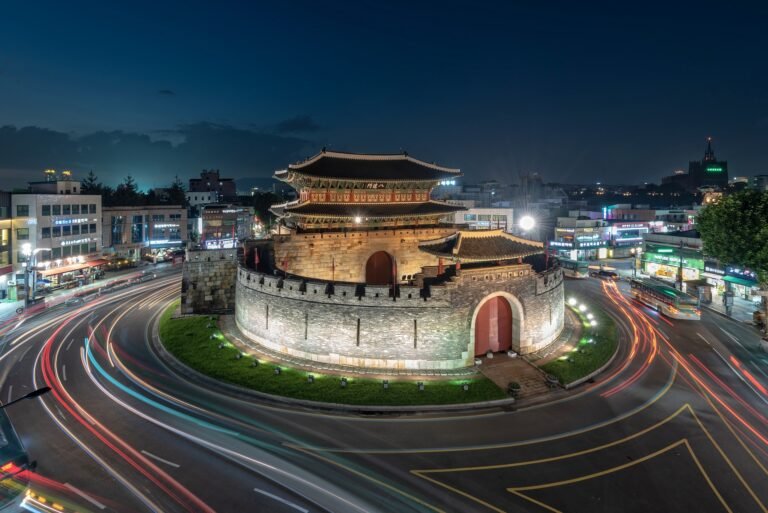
(620, 92)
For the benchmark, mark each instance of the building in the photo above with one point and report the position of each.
(484, 218)
(7, 291)
(708, 172)
(58, 231)
(147, 232)
(367, 275)
(211, 188)
(759, 182)
(222, 226)
(673, 256)
(581, 238)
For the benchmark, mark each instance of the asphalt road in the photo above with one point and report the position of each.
(677, 423)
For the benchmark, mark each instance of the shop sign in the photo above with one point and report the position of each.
(375, 185)
(739, 272)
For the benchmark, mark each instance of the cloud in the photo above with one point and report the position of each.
(297, 125)
(149, 157)
(166, 92)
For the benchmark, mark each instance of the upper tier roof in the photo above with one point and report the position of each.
(481, 246)
(367, 210)
(353, 166)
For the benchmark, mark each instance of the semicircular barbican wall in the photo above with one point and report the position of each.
(430, 328)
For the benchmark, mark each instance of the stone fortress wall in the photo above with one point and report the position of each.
(208, 281)
(428, 328)
(342, 256)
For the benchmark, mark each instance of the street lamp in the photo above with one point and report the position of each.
(527, 223)
(30, 254)
(31, 395)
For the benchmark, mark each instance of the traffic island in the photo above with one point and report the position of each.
(587, 357)
(198, 343)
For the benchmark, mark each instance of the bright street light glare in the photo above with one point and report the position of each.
(572, 301)
(582, 308)
(527, 223)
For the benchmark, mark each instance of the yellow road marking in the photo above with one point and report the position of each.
(518, 490)
(505, 445)
(372, 479)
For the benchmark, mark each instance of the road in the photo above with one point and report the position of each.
(678, 422)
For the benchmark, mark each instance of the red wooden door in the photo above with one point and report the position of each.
(379, 270)
(493, 327)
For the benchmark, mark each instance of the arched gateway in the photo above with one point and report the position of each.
(493, 326)
(379, 269)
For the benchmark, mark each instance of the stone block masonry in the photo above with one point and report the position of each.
(342, 256)
(208, 281)
(428, 329)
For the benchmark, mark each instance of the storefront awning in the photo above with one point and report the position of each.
(62, 269)
(739, 281)
(95, 263)
(6, 269)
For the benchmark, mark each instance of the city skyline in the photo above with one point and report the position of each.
(570, 93)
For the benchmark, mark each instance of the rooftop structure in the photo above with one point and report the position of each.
(347, 190)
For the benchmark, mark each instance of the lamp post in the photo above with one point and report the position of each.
(28, 252)
(31, 395)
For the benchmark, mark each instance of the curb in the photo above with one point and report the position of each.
(721, 314)
(596, 372)
(245, 393)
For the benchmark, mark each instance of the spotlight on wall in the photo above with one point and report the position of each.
(582, 308)
(572, 301)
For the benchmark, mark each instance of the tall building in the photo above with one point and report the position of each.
(759, 182)
(58, 231)
(709, 171)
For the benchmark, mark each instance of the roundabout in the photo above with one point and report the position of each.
(665, 416)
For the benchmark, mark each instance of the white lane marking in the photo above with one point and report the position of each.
(702, 338)
(85, 496)
(732, 337)
(158, 458)
(280, 499)
(64, 372)
(10, 393)
(70, 343)
(738, 375)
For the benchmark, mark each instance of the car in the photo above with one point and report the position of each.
(604, 275)
(74, 301)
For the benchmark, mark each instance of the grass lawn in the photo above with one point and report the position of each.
(189, 340)
(590, 354)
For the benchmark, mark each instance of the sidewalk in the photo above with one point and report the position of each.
(740, 311)
(8, 309)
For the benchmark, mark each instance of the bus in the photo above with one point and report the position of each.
(665, 299)
(574, 268)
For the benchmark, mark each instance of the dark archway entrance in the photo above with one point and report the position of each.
(493, 326)
(379, 270)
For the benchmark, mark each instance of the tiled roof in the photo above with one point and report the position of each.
(482, 245)
(353, 166)
(368, 210)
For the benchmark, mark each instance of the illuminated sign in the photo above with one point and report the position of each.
(665, 250)
(715, 169)
(561, 244)
(71, 221)
(375, 185)
(73, 242)
(166, 225)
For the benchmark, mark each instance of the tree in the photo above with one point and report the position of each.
(176, 193)
(91, 184)
(128, 194)
(735, 231)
